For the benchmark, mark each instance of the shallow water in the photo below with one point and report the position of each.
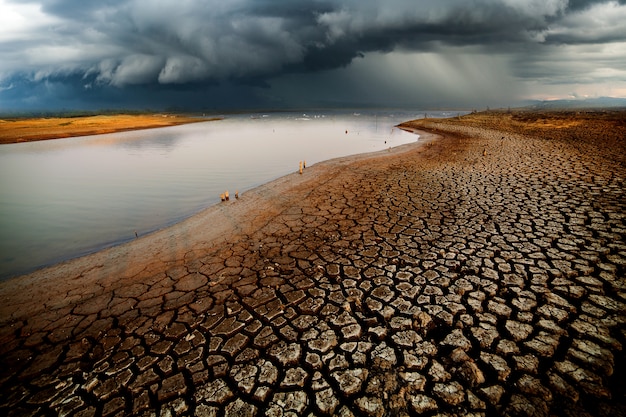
(65, 198)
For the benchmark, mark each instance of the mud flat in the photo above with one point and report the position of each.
(33, 129)
(479, 272)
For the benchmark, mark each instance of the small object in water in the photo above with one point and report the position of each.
(236, 193)
(346, 132)
(136, 235)
(226, 195)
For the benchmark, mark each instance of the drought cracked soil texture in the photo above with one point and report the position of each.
(479, 273)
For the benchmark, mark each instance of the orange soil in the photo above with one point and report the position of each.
(27, 130)
(552, 123)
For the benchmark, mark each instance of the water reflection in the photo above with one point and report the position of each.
(64, 198)
(161, 142)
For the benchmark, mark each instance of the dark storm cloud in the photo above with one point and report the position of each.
(597, 22)
(161, 44)
(182, 41)
(584, 4)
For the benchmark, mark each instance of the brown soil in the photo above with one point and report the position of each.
(598, 129)
(27, 130)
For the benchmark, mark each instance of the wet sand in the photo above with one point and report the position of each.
(34, 129)
(478, 271)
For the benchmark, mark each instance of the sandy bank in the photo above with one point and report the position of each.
(28, 130)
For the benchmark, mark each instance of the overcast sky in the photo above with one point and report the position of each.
(225, 54)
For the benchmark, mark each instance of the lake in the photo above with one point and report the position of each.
(64, 198)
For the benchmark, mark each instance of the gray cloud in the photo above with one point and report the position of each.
(149, 46)
(598, 23)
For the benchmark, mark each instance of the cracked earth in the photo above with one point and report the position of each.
(479, 273)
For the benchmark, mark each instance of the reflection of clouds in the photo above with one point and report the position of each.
(154, 139)
(162, 137)
(156, 142)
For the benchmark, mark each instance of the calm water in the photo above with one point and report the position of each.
(68, 197)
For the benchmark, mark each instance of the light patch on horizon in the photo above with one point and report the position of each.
(538, 7)
(22, 22)
(600, 23)
(588, 70)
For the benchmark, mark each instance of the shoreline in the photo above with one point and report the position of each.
(366, 154)
(220, 222)
(50, 128)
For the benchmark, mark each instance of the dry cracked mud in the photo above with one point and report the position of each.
(481, 273)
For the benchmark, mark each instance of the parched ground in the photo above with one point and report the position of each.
(481, 273)
(32, 129)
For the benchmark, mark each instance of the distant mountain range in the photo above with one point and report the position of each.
(589, 103)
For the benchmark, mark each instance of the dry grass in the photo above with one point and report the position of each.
(26, 130)
(604, 129)
(550, 123)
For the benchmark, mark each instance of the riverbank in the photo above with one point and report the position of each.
(219, 225)
(479, 271)
(105, 190)
(34, 129)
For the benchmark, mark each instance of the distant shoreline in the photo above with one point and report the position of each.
(20, 130)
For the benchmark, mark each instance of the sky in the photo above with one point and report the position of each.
(277, 54)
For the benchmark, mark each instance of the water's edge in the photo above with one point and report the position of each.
(204, 228)
(158, 193)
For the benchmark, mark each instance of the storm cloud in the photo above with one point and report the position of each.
(272, 53)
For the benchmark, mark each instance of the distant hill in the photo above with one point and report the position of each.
(590, 103)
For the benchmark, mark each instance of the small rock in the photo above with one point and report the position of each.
(493, 393)
(371, 406)
(496, 363)
(351, 380)
(518, 331)
(326, 401)
(422, 404)
(240, 408)
(452, 393)
(384, 357)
